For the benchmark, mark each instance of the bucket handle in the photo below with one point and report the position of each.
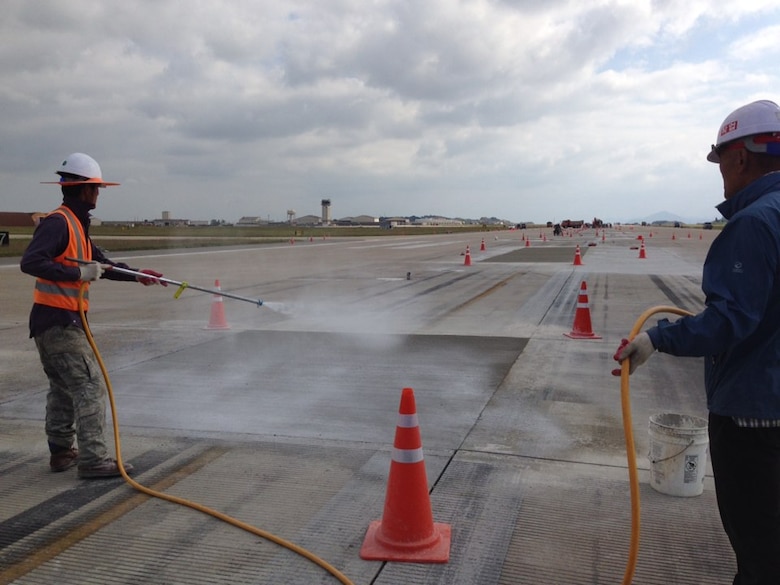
(684, 449)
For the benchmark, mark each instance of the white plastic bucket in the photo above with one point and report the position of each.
(678, 454)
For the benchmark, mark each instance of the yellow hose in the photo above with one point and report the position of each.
(182, 501)
(625, 400)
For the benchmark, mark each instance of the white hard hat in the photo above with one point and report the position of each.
(79, 168)
(761, 117)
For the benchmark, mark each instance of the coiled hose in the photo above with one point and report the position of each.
(633, 476)
(182, 501)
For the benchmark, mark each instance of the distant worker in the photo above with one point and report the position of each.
(76, 400)
(738, 333)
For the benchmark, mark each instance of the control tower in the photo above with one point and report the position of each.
(326, 219)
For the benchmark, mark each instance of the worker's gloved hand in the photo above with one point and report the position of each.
(636, 350)
(90, 271)
(147, 281)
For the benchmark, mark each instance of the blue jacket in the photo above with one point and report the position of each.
(739, 330)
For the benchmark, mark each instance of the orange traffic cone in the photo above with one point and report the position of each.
(604, 236)
(482, 245)
(528, 243)
(467, 260)
(582, 328)
(577, 256)
(406, 531)
(642, 253)
(674, 237)
(217, 319)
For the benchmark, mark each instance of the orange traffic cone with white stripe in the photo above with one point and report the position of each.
(217, 319)
(577, 256)
(482, 247)
(642, 253)
(467, 260)
(582, 328)
(406, 531)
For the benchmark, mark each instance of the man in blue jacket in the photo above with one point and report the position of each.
(738, 333)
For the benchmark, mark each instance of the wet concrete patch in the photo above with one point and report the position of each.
(318, 385)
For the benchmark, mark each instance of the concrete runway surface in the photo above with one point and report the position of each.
(286, 420)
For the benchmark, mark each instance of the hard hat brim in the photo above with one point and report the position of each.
(96, 181)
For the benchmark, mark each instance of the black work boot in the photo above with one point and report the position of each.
(106, 468)
(63, 460)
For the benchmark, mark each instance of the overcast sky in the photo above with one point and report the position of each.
(528, 110)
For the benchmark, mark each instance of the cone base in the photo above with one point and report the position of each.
(578, 335)
(436, 552)
(217, 327)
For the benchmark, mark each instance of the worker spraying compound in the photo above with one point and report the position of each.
(65, 261)
(75, 402)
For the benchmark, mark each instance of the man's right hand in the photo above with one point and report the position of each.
(91, 271)
(638, 350)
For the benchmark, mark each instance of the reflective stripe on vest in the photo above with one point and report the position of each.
(64, 295)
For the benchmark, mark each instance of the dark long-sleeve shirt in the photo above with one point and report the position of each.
(49, 241)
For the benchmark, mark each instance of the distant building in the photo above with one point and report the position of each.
(366, 220)
(19, 219)
(170, 222)
(308, 220)
(251, 220)
(391, 222)
(437, 221)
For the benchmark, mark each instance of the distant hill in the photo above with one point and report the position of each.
(667, 216)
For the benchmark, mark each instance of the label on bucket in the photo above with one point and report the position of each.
(691, 473)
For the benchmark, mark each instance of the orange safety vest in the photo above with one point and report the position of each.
(65, 295)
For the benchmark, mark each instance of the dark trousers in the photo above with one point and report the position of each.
(746, 464)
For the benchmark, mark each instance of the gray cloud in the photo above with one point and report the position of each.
(516, 109)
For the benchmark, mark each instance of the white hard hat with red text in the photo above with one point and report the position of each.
(756, 118)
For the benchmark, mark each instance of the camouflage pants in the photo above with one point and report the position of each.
(76, 402)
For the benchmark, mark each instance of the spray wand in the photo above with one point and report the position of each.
(180, 284)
